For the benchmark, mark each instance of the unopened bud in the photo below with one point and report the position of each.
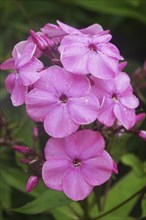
(21, 149)
(24, 160)
(32, 183)
(122, 65)
(115, 168)
(35, 132)
(42, 41)
(142, 134)
(140, 117)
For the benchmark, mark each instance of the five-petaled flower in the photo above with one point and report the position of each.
(62, 101)
(117, 100)
(85, 54)
(77, 163)
(26, 71)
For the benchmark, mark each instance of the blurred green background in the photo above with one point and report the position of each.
(126, 20)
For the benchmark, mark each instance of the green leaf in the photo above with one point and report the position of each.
(17, 179)
(114, 7)
(143, 206)
(5, 197)
(134, 162)
(18, 117)
(118, 147)
(47, 201)
(121, 191)
(71, 211)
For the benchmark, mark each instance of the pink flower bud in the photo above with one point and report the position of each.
(32, 183)
(140, 117)
(122, 65)
(24, 160)
(35, 132)
(41, 40)
(115, 168)
(142, 134)
(21, 149)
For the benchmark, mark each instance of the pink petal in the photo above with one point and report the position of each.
(10, 82)
(102, 87)
(61, 79)
(29, 74)
(73, 40)
(129, 101)
(98, 170)
(58, 122)
(8, 64)
(75, 59)
(79, 86)
(18, 50)
(38, 103)
(92, 29)
(122, 81)
(68, 29)
(53, 172)
(102, 66)
(45, 81)
(18, 93)
(57, 148)
(58, 81)
(27, 54)
(105, 114)
(102, 37)
(125, 115)
(83, 110)
(74, 185)
(84, 144)
(52, 30)
(109, 50)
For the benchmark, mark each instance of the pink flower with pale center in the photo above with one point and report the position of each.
(85, 54)
(77, 163)
(26, 71)
(62, 101)
(117, 100)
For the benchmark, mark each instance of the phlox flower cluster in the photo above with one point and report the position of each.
(67, 78)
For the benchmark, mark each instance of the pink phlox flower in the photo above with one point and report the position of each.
(26, 71)
(85, 54)
(62, 101)
(117, 100)
(77, 163)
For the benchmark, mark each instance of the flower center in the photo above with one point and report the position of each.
(63, 98)
(114, 97)
(92, 47)
(77, 162)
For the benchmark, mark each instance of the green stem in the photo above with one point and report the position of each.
(74, 211)
(85, 208)
(105, 195)
(121, 204)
